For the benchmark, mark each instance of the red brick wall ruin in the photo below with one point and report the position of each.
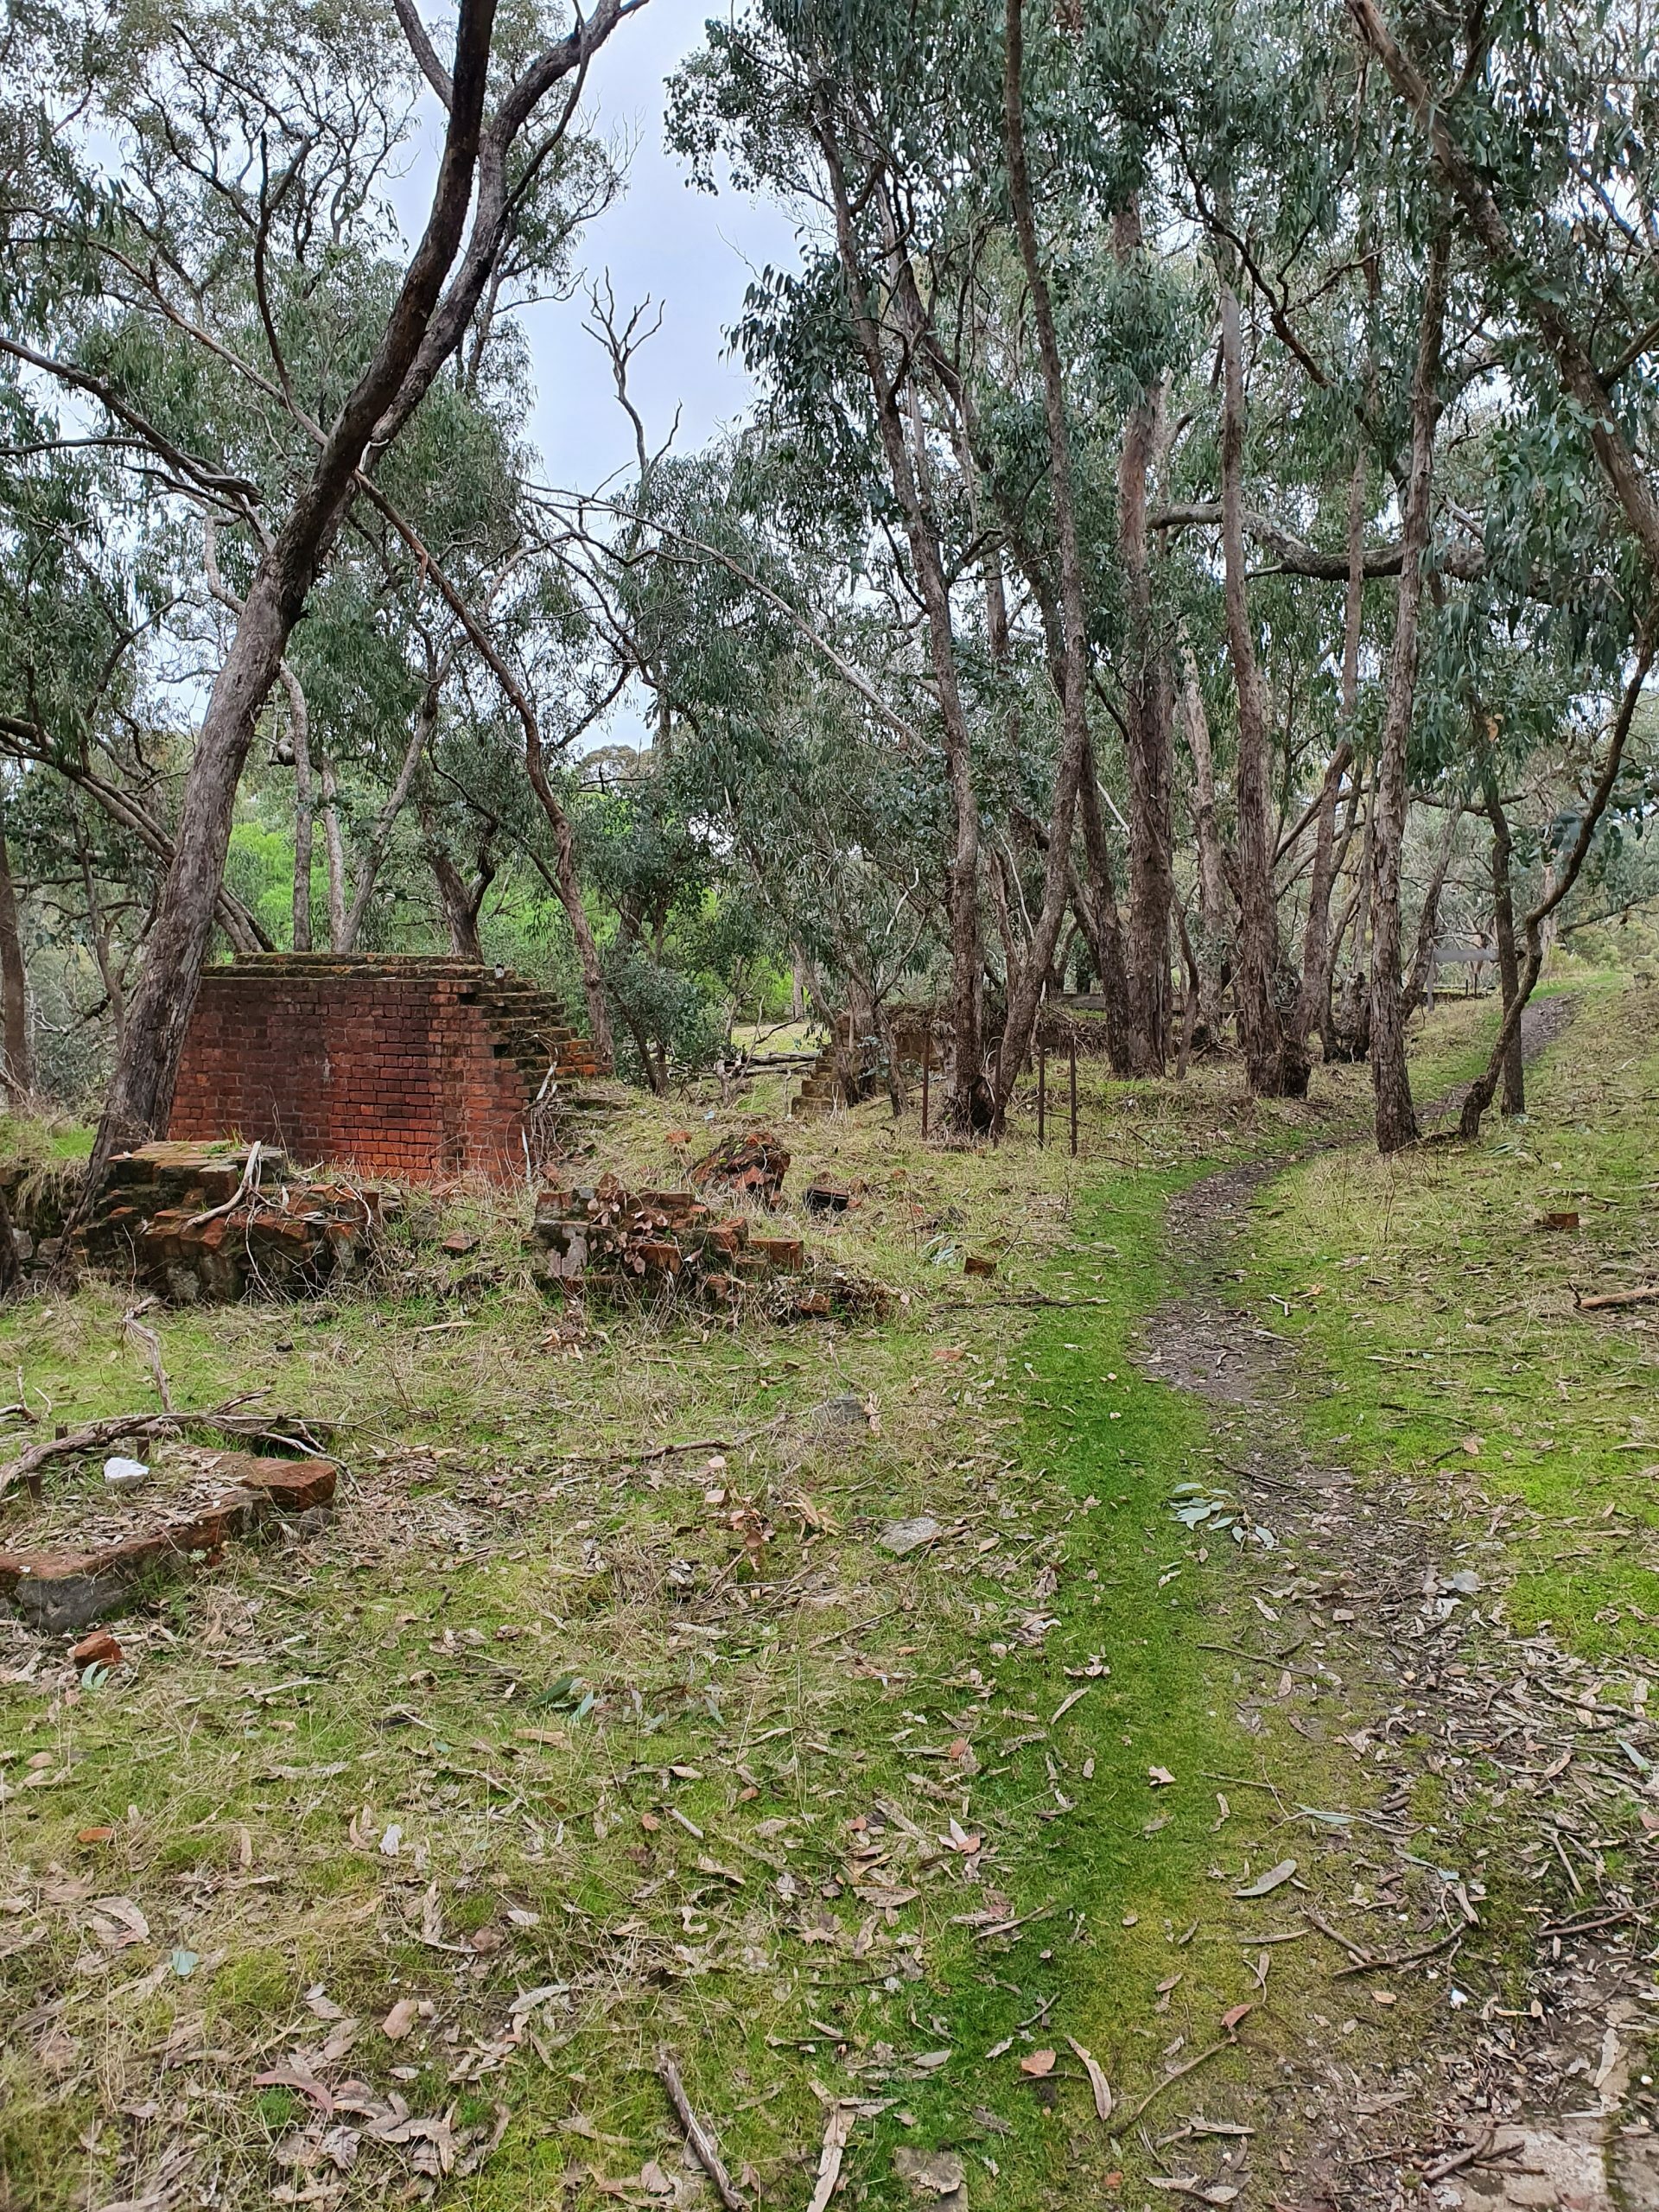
(407, 1067)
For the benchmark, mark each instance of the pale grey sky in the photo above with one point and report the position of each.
(691, 253)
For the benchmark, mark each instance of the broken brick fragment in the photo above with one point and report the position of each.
(98, 1650)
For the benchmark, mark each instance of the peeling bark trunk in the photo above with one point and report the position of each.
(1275, 1060)
(17, 1069)
(1211, 951)
(1396, 1118)
(1148, 716)
(1097, 911)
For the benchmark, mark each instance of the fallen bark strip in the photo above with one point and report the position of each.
(1645, 1296)
(1169, 2080)
(701, 2142)
(1263, 1659)
(97, 1433)
(1407, 1958)
(1454, 2161)
(1361, 1957)
(1584, 1927)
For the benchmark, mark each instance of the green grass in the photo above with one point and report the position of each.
(504, 1525)
(1433, 1307)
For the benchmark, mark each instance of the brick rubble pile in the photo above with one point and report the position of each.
(623, 1244)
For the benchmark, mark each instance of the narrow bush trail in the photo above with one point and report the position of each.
(1513, 1977)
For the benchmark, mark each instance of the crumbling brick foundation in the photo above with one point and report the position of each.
(402, 1065)
(194, 1222)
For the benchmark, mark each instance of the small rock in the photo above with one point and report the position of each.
(460, 1241)
(933, 2173)
(125, 1474)
(901, 1536)
(98, 1650)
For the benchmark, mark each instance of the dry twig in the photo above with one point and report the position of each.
(697, 2135)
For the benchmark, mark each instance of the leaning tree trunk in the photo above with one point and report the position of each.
(1508, 964)
(17, 1069)
(1396, 1118)
(1275, 1058)
(422, 327)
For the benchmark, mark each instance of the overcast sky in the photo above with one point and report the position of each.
(691, 253)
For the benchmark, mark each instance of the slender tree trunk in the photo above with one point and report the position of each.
(1211, 951)
(968, 1106)
(299, 720)
(1355, 1024)
(1316, 933)
(1275, 1058)
(426, 721)
(17, 1069)
(1098, 913)
(1429, 918)
(1480, 1095)
(1508, 964)
(1148, 715)
(1025, 993)
(1396, 1118)
(1314, 1010)
(568, 881)
(334, 845)
(1331, 1031)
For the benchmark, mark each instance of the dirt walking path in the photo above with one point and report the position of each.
(1519, 1974)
